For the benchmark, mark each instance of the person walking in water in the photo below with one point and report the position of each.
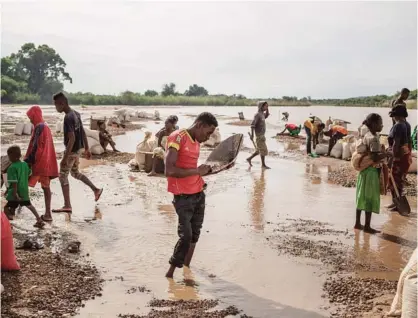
(184, 179)
(258, 127)
(41, 157)
(75, 140)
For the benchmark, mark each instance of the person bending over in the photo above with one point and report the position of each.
(312, 130)
(335, 133)
(293, 130)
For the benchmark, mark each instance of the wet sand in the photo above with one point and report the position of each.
(262, 244)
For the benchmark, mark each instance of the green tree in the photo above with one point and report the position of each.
(151, 93)
(169, 90)
(128, 98)
(39, 67)
(196, 90)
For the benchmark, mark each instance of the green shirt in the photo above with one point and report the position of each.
(19, 173)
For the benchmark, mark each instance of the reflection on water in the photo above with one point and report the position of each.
(257, 201)
(187, 289)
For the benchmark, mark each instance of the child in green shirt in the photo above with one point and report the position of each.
(17, 193)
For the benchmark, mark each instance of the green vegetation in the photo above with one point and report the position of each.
(34, 74)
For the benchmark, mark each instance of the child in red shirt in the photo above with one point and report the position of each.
(185, 181)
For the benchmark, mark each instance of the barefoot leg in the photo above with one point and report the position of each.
(170, 271)
(263, 162)
(251, 158)
(358, 225)
(367, 227)
(189, 255)
(47, 197)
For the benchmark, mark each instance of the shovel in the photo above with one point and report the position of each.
(401, 202)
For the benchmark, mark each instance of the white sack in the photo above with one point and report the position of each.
(147, 145)
(19, 129)
(337, 150)
(321, 149)
(346, 153)
(92, 142)
(96, 149)
(94, 134)
(27, 129)
(409, 297)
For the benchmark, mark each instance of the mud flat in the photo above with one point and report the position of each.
(52, 282)
(348, 294)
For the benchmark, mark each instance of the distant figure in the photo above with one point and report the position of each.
(41, 157)
(293, 130)
(400, 101)
(17, 193)
(159, 152)
(312, 130)
(75, 139)
(335, 133)
(258, 126)
(328, 122)
(105, 137)
(285, 116)
(368, 180)
(241, 116)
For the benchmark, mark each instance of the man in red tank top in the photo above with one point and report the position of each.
(185, 182)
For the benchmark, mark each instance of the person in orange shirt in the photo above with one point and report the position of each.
(184, 179)
(335, 133)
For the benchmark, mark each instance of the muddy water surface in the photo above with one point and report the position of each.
(131, 232)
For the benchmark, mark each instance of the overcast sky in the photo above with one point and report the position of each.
(267, 49)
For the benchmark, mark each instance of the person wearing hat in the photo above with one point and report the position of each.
(400, 144)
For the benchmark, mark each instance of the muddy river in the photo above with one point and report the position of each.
(131, 232)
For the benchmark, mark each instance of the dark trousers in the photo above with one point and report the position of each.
(308, 140)
(333, 140)
(191, 211)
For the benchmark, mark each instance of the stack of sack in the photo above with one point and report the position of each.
(94, 141)
(145, 146)
(23, 129)
(125, 114)
(214, 139)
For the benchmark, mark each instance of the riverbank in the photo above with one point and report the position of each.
(52, 282)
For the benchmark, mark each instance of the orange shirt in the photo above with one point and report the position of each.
(187, 158)
(340, 129)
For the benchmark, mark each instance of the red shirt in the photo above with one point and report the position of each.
(187, 158)
(291, 126)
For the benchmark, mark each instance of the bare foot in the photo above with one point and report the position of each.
(358, 227)
(152, 174)
(170, 272)
(265, 167)
(39, 224)
(370, 230)
(249, 162)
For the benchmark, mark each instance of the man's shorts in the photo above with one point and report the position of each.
(72, 166)
(260, 142)
(44, 181)
(15, 204)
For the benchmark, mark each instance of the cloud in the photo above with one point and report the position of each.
(321, 49)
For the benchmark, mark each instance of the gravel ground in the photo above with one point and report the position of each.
(205, 308)
(52, 281)
(350, 296)
(356, 296)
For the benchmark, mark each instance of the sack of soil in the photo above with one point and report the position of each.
(225, 154)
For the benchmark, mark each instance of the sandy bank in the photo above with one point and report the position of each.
(52, 282)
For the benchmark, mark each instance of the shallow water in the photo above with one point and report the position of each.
(131, 232)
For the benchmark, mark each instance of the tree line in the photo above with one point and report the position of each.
(35, 73)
